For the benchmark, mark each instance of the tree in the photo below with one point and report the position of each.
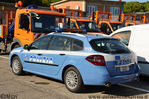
(45, 2)
(146, 6)
(131, 7)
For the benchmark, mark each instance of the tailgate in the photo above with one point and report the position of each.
(121, 64)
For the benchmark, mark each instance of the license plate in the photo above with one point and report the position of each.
(126, 68)
(123, 62)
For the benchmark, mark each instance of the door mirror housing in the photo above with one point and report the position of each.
(26, 47)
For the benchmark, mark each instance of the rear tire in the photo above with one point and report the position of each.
(17, 66)
(73, 80)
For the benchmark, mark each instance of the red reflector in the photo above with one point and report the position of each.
(97, 60)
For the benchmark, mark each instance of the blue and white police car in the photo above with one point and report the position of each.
(77, 60)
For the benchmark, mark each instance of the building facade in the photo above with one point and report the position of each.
(88, 6)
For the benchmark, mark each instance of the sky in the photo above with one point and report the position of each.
(136, 0)
(132, 0)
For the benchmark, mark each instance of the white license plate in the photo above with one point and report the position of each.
(122, 69)
(123, 62)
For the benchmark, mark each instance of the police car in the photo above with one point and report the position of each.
(77, 60)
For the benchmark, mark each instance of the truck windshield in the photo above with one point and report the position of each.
(89, 26)
(109, 46)
(116, 26)
(47, 23)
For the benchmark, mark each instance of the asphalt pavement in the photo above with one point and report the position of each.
(31, 86)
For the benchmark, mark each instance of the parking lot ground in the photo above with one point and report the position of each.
(30, 86)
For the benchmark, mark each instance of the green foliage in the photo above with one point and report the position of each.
(45, 2)
(132, 7)
(146, 5)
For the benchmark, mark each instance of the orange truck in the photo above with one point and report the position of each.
(76, 20)
(142, 18)
(25, 25)
(134, 19)
(104, 22)
(128, 19)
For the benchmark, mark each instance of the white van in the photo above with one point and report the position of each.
(137, 39)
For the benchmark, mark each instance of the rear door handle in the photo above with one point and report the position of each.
(39, 54)
(62, 54)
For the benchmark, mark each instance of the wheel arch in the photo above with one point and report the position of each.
(66, 67)
(15, 41)
(13, 44)
(12, 58)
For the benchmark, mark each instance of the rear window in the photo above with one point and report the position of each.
(110, 46)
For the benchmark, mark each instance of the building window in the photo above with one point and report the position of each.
(90, 9)
(115, 10)
(100, 8)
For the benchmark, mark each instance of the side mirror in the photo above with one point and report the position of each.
(26, 47)
(35, 15)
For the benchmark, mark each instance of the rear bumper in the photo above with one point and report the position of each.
(112, 80)
(123, 79)
(99, 75)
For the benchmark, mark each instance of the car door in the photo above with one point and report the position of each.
(58, 52)
(22, 30)
(34, 58)
(124, 36)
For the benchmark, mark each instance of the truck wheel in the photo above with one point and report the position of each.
(17, 66)
(73, 80)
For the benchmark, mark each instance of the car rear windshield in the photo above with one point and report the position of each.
(110, 46)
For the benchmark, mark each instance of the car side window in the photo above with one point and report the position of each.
(77, 45)
(124, 36)
(60, 43)
(41, 43)
(23, 21)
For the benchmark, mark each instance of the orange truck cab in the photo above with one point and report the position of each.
(27, 25)
(108, 27)
(104, 22)
(88, 26)
(130, 23)
(77, 22)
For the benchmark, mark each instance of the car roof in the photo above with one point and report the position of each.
(140, 26)
(82, 36)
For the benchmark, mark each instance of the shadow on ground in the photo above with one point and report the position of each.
(4, 53)
(115, 90)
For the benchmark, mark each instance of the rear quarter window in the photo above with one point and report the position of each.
(110, 46)
(77, 45)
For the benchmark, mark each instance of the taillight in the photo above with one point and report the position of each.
(97, 60)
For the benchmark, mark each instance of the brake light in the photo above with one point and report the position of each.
(97, 60)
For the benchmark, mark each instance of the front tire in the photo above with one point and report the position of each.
(73, 80)
(17, 66)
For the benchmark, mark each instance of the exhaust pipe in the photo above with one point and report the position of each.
(138, 79)
(108, 84)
